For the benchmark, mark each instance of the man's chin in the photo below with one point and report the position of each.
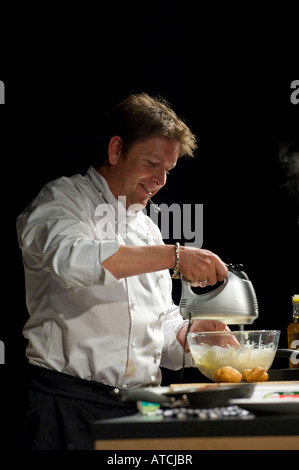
(137, 206)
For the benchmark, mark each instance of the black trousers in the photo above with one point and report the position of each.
(61, 408)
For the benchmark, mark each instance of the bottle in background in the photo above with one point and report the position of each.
(293, 332)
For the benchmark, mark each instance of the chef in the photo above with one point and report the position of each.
(98, 287)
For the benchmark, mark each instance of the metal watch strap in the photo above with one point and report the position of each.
(176, 274)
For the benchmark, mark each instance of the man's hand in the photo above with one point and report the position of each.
(201, 267)
(207, 325)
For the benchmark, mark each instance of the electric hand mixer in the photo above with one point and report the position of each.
(233, 302)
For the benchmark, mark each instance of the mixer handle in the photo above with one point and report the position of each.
(237, 270)
(233, 268)
(188, 292)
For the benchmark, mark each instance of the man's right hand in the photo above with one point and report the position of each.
(201, 267)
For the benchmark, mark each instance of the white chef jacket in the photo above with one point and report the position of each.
(82, 320)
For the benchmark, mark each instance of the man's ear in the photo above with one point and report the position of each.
(114, 149)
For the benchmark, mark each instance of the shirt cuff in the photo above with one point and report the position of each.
(188, 358)
(108, 248)
(173, 353)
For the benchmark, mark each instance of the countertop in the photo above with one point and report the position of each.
(260, 428)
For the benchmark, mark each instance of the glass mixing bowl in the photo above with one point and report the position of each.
(241, 350)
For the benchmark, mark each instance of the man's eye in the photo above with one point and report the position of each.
(154, 164)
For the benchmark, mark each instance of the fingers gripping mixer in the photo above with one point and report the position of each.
(233, 302)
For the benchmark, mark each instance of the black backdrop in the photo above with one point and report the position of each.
(237, 102)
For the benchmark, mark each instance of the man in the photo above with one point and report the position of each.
(98, 287)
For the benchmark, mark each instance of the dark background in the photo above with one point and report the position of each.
(232, 91)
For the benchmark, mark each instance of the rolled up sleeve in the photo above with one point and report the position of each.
(56, 236)
(173, 353)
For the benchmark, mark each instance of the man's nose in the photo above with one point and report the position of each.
(160, 177)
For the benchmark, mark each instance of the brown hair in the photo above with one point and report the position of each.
(138, 118)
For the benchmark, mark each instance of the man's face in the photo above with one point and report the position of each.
(143, 171)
